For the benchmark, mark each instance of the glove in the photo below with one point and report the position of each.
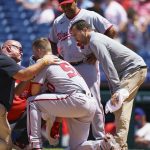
(52, 141)
(55, 130)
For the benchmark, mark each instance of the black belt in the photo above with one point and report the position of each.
(76, 63)
(143, 67)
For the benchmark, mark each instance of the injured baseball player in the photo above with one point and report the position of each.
(70, 98)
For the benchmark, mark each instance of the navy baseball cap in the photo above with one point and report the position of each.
(61, 2)
(139, 112)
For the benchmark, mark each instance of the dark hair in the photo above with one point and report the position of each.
(79, 25)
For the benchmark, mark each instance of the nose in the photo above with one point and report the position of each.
(21, 53)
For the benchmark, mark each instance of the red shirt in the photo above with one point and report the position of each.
(19, 106)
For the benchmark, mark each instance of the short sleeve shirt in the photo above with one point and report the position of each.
(8, 67)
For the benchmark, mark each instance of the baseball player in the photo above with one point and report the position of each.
(71, 99)
(68, 49)
(123, 68)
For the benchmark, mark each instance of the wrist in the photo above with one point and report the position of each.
(45, 61)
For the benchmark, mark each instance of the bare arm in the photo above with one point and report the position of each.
(31, 71)
(111, 32)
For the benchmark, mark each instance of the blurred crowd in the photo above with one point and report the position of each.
(130, 17)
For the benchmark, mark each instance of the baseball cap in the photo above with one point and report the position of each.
(139, 112)
(61, 2)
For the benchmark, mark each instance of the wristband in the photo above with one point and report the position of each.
(46, 62)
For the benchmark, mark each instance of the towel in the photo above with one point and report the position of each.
(122, 94)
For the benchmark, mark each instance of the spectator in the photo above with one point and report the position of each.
(137, 32)
(85, 3)
(44, 14)
(30, 4)
(117, 15)
(97, 7)
(142, 132)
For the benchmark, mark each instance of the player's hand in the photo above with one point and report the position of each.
(114, 99)
(50, 59)
(91, 59)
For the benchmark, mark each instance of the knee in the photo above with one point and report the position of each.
(2, 110)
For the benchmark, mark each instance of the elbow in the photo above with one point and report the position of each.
(111, 32)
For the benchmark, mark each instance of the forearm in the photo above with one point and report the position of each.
(112, 33)
(30, 72)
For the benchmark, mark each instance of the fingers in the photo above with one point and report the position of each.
(56, 61)
(114, 100)
(52, 59)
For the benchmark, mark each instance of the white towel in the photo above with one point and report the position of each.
(122, 94)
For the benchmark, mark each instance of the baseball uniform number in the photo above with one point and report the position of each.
(71, 72)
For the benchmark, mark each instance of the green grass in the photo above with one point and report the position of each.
(53, 149)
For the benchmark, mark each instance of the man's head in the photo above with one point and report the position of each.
(41, 47)
(140, 117)
(12, 49)
(69, 7)
(80, 30)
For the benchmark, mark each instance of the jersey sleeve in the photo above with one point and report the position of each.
(41, 77)
(9, 66)
(104, 57)
(53, 34)
(100, 23)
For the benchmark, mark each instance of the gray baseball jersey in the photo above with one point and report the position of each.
(117, 60)
(60, 33)
(68, 101)
(67, 47)
(63, 78)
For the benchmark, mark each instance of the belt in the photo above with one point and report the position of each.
(84, 92)
(143, 67)
(76, 63)
(81, 91)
